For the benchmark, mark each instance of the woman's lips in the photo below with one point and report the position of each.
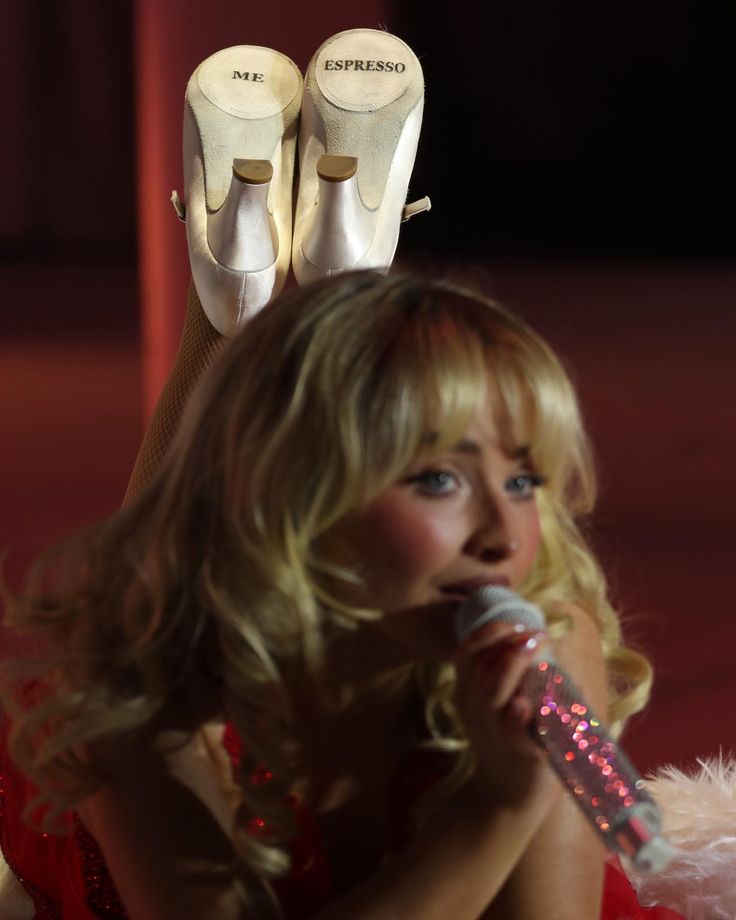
(462, 590)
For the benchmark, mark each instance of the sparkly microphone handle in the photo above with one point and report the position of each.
(595, 770)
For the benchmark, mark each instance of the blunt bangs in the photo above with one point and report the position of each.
(447, 383)
(468, 354)
(540, 403)
(348, 383)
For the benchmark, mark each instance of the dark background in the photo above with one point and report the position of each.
(550, 128)
(580, 129)
(580, 162)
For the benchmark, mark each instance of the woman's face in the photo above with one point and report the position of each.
(459, 519)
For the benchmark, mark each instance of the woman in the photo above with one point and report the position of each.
(361, 458)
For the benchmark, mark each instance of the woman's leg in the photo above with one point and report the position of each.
(199, 345)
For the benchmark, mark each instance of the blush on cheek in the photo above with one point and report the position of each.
(402, 541)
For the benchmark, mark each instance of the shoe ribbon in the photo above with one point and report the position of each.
(179, 206)
(416, 207)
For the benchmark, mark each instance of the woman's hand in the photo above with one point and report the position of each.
(562, 868)
(491, 664)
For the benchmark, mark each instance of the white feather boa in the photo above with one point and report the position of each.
(699, 821)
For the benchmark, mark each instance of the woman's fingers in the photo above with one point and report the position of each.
(492, 662)
(491, 665)
(518, 712)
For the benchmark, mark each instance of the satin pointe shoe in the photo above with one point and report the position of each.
(241, 116)
(361, 117)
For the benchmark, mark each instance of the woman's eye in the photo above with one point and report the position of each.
(436, 482)
(523, 485)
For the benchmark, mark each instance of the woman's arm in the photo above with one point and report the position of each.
(171, 858)
(457, 865)
(560, 875)
(453, 869)
(163, 825)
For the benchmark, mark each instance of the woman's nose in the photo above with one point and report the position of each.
(494, 549)
(492, 539)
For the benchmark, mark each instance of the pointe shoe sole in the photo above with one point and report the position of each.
(363, 100)
(241, 115)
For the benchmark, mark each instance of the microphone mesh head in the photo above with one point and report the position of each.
(495, 604)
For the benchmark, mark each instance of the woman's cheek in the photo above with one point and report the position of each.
(409, 541)
(529, 542)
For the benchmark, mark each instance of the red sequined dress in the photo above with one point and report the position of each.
(67, 879)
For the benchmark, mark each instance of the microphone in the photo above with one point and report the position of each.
(593, 768)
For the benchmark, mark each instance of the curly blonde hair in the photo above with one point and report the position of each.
(211, 590)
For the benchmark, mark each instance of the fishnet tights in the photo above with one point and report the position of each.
(199, 345)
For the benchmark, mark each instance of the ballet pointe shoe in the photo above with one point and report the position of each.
(360, 123)
(240, 124)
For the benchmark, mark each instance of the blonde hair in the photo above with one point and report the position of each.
(210, 588)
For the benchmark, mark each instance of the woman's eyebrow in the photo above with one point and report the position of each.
(473, 448)
(466, 446)
(470, 447)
